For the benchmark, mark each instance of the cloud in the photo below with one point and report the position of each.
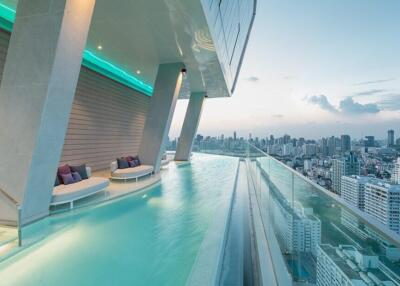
(375, 81)
(349, 106)
(321, 101)
(390, 102)
(253, 79)
(279, 116)
(369, 92)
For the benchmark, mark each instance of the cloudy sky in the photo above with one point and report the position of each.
(314, 68)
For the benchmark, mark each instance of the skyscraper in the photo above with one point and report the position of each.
(348, 165)
(345, 143)
(390, 139)
(331, 145)
(369, 141)
(324, 147)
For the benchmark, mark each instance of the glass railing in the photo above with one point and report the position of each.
(321, 241)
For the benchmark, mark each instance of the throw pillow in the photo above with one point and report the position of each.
(122, 163)
(76, 177)
(67, 179)
(136, 158)
(132, 164)
(81, 170)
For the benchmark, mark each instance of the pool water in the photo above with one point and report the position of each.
(149, 238)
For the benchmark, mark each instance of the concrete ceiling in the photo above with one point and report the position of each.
(138, 35)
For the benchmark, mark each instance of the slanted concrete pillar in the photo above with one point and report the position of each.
(190, 125)
(36, 94)
(162, 106)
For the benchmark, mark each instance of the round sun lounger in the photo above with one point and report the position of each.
(63, 194)
(130, 173)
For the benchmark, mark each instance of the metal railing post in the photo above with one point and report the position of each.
(19, 227)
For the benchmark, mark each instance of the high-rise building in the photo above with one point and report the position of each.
(309, 150)
(369, 141)
(288, 149)
(271, 140)
(286, 139)
(390, 139)
(297, 228)
(397, 171)
(345, 145)
(348, 165)
(345, 265)
(324, 147)
(331, 145)
(382, 201)
(234, 135)
(352, 190)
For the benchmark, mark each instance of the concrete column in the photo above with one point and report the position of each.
(190, 125)
(162, 106)
(36, 94)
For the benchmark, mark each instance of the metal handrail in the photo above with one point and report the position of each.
(17, 205)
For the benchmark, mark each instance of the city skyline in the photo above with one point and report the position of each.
(244, 135)
(317, 75)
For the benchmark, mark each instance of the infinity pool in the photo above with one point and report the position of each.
(149, 238)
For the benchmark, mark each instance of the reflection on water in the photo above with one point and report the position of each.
(142, 239)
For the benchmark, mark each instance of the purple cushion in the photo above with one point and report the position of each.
(81, 170)
(129, 158)
(67, 179)
(64, 169)
(137, 160)
(132, 164)
(76, 177)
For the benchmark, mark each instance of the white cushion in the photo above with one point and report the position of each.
(84, 188)
(135, 172)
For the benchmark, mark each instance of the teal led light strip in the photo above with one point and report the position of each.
(90, 59)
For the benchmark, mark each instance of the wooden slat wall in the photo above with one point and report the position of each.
(4, 40)
(106, 122)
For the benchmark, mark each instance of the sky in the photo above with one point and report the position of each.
(313, 68)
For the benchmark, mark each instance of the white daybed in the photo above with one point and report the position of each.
(130, 173)
(69, 193)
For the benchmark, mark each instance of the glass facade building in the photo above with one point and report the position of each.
(230, 25)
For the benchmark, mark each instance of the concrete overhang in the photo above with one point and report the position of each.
(128, 39)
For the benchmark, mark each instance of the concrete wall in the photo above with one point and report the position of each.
(106, 121)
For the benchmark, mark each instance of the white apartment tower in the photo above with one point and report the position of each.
(298, 229)
(352, 190)
(348, 165)
(397, 171)
(382, 201)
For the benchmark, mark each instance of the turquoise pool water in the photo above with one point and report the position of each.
(151, 238)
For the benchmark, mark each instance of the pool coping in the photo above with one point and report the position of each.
(206, 269)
